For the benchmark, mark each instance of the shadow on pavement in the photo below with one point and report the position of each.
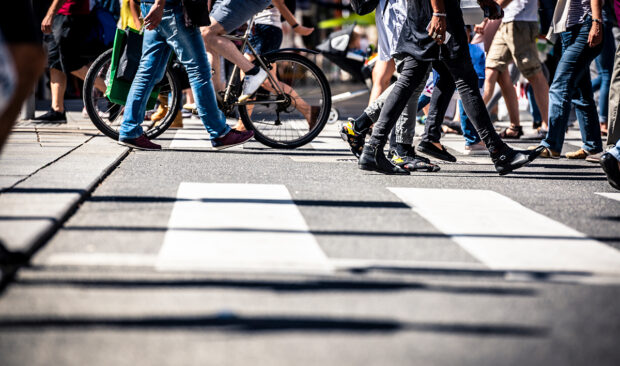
(283, 285)
(233, 323)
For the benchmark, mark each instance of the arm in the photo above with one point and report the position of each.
(437, 28)
(46, 24)
(290, 18)
(134, 8)
(152, 19)
(596, 32)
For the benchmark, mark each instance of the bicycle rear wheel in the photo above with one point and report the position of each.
(294, 119)
(107, 116)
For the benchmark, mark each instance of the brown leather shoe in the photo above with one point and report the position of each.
(580, 154)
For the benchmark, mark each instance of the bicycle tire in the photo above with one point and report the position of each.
(106, 125)
(264, 132)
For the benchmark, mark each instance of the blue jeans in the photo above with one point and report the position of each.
(533, 106)
(469, 131)
(604, 66)
(572, 84)
(187, 44)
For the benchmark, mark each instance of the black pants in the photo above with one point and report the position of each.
(457, 73)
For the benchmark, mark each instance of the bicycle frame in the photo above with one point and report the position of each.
(274, 83)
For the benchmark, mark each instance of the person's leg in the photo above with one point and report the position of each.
(572, 65)
(534, 110)
(81, 73)
(469, 131)
(155, 54)
(381, 77)
(613, 113)
(226, 16)
(29, 61)
(58, 86)
(605, 64)
(405, 125)
(189, 48)
(373, 158)
(523, 37)
(587, 115)
(466, 81)
(440, 99)
(510, 97)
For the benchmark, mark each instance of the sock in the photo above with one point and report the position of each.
(253, 71)
(362, 123)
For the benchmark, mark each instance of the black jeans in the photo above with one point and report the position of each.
(457, 73)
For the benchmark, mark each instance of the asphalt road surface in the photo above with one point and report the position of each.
(268, 257)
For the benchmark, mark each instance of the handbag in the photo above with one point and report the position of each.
(196, 13)
(118, 86)
(363, 7)
(130, 57)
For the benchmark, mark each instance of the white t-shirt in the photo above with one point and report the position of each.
(521, 10)
(269, 16)
(390, 16)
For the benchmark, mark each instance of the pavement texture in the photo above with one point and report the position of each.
(400, 289)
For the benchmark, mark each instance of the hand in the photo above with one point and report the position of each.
(153, 18)
(596, 35)
(437, 29)
(479, 28)
(304, 31)
(46, 24)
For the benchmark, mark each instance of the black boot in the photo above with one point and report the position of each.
(374, 159)
(508, 160)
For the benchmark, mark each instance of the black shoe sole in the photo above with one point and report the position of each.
(435, 154)
(609, 170)
(371, 168)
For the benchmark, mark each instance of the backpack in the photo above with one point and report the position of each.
(363, 7)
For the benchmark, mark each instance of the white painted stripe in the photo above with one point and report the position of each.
(503, 234)
(192, 135)
(101, 259)
(239, 227)
(613, 196)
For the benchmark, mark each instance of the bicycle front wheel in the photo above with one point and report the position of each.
(108, 116)
(296, 116)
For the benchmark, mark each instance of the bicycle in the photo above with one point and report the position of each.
(277, 113)
(108, 116)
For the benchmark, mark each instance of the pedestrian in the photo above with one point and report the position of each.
(22, 44)
(389, 19)
(579, 27)
(165, 31)
(226, 16)
(68, 27)
(515, 41)
(266, 36)
(421, 42)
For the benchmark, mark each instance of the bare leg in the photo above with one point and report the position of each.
(541, 94)
(510, 98)
(81, 73)
(58, 85)
(215, 43)
(29, 60)
(381, 76)
(214, 60)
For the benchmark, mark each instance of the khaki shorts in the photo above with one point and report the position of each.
(515, 41)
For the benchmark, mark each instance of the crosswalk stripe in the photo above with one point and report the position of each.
(613, 196)
(238, 227)
(503, 234)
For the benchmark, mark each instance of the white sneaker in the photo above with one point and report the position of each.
(476, 149)
(251, 83)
